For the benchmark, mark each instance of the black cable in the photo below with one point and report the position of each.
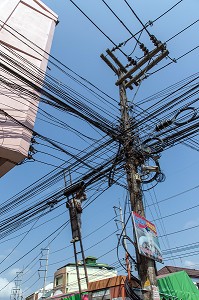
(61, 227)
(181, 31)
(133, 36)
(20, 241)
(96, 25)
(176, 59)
(130, 293)
(167, 11)
(145, 28)
(179, 231)
(152, 22)
(49, 55)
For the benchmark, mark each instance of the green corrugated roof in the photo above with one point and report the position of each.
(178, 286)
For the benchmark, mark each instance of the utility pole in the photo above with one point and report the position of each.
(44, 268)
(130, 140)
(16, 293)
(146, 266)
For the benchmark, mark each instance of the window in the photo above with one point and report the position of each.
(58, 280)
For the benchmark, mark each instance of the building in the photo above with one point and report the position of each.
(26, 33)
(112, 288)
(39, 294)
(65, 278)
(192, 273)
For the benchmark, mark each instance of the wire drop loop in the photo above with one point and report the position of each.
(181, 119)
(152, 145)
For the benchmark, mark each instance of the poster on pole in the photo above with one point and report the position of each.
(147, 238)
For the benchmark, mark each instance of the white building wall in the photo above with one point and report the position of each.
(94, 274)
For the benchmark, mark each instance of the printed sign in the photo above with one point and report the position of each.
(147, 239)
(155, 293)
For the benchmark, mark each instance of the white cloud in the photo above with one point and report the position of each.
(7, 287)
(189, 263)
(191, 223)
(2, 257)
(5, 284)
(13, 272)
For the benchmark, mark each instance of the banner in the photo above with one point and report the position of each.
(147, 239)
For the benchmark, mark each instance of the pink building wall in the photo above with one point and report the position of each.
(24, 25)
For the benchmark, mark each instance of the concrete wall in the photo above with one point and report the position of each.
(26, 32)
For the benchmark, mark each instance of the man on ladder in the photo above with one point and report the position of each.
(75, 211)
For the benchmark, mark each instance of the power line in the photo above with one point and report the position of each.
(176, 195)
(162, 15)
(137, 40)
(176, 59)
(182, 31)
(6, 26)
(152, 22)
(179, 231)
(59, 231)
(95, 24)
(132, 10)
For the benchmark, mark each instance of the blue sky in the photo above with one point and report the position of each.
(78, 45)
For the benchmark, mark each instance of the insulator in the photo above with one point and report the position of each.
(153, 38)
(163, 125)
(117, 47)
(132, 61)
(142, 46)
(144, 49)
(157, 43)
(150, 23)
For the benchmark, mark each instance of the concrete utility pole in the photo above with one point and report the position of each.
(44, 267)
(129, 139)
(146, 266)
(16, 293)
